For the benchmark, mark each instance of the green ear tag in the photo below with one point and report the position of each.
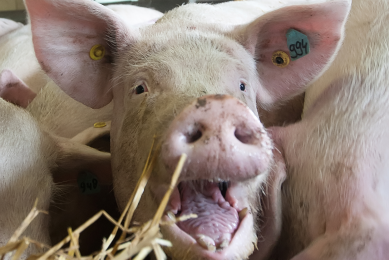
(88, 183)
(298, 44)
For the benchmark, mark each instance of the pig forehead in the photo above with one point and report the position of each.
(189, 49)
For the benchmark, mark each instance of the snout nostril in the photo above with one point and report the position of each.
(193, 137)
(243, 136)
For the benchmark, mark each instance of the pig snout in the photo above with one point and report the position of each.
(223, 139)
(227, 147)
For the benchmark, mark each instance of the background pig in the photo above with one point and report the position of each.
(335, 195)
(192, 79)
(58, 114)
(29, 157)
(7, 26)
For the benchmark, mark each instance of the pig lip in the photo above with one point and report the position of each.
(180, 238)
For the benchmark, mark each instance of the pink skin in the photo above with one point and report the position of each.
(13, 89)
(341, 172)
(222, 138)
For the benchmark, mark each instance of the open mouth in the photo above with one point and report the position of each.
(223, 218)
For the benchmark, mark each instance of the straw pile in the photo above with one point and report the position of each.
(136, 242)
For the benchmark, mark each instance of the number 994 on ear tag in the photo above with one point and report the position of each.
(298, 44)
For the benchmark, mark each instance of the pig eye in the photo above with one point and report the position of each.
(242, 86)
(141, 89)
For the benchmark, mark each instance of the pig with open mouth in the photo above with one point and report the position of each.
(193, 80)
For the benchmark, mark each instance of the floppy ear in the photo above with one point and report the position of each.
(14, 90)
(75, 43)
(293, 46)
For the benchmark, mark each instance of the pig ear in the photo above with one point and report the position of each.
(14, 90)
(75, 43)
(306, 36)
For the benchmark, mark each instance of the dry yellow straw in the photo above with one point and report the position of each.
(23, 246)
(165, 200)
(73, 243)
(33, 213)
(134, 200)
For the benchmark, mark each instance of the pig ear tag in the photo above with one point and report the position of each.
(298, 44)
(280, 59)
(97, 52)
(99, 125)
(88, 183)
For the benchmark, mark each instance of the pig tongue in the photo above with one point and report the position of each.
(216, 220)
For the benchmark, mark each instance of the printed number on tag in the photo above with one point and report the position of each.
(88, 183)
(298, 44)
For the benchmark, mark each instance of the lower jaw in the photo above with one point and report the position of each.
(186, 247)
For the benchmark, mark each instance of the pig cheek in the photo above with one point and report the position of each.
(124, 158)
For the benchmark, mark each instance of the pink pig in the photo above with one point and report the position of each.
(193, 79)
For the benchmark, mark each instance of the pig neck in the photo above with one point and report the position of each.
(364, 45)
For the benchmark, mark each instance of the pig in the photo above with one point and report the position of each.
(334, 199)
(58, 114)
(29, 159)
(7, 26)
(191, 82)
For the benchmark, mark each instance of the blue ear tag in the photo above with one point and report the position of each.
(298, 44)
(88, 183)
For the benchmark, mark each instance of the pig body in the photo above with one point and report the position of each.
(335, 196)
(27, 155)
(191, 81)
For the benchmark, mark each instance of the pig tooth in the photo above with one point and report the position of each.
(171, 215)
(225, 243)
(226, 238)
(206, 242)
(243, 213)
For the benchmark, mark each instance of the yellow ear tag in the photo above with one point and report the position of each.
(99, 125)
(97, 52)
(280, 59)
